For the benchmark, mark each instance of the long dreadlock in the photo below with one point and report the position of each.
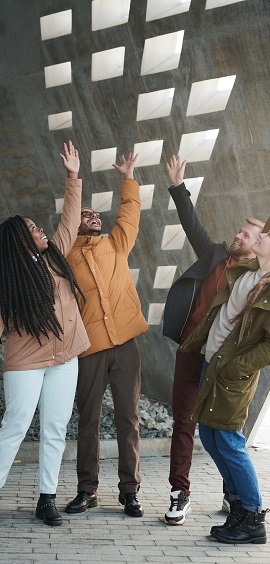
(26, 284)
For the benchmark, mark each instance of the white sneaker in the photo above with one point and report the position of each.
(180, 507)
(226, 508)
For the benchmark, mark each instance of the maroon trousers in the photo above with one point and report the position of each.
(185, 391)
(120, 366)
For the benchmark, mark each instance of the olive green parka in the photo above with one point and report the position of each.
(232, 375)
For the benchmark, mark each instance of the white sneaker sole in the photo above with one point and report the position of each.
(172, 521)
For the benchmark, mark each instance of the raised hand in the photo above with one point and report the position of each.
(176, 170)
(127, 167)
(71, 160)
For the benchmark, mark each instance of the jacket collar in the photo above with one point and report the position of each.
(85, 240)
(240, 268)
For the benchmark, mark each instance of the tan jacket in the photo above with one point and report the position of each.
(25, 353)
(112, 313)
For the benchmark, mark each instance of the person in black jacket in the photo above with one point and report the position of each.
(188, 300)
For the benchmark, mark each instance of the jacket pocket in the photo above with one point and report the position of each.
(232, 371)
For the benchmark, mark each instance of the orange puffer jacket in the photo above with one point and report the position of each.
(112, 313)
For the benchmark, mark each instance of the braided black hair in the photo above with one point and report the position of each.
(26, 284)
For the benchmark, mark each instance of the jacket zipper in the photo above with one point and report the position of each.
(215, 383)
(191, 304)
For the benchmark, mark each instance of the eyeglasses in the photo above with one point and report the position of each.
(89, 214)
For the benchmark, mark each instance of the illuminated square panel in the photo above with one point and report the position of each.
(149, 152)
(57, 75)
(193, 185)
(155, 104)
(195, 147)
(60, 121)
(219, 3)
(162, 53)
(173, 237)
(135, 275)
(157, 9)
(106, 13)
(108, 64)
(210, 95)
(146, 196)
(164, 276)
(56, 25)
(155, 313)
(102, 201)
(59, 202)
(103, 159)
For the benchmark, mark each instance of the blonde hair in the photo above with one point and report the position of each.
(261, 285)
(255, 222)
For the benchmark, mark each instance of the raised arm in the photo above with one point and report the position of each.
(71, 160)
(176, 170)
(126, 229)
(127, 167)
(197, 235)
(67, 230)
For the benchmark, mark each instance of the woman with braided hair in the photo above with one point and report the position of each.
(235, 337)
(45, 334)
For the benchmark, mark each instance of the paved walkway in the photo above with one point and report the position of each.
(106, 534)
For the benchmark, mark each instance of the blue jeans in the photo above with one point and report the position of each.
(229, 452)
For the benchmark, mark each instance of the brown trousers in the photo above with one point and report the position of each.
(185, 391)
(187, 375)
(120, 366)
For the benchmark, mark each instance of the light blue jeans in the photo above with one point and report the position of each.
(53, 390)
(229, 452)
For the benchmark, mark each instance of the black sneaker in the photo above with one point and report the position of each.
(82, 501)
(179, 508)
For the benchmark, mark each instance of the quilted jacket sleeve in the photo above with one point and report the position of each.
(67, 230)
(126, 229)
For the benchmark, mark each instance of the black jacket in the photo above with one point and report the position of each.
(183, 292)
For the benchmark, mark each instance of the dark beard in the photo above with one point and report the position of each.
(89, 232)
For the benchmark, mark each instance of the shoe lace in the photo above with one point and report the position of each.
(178, 502)
(131, 496)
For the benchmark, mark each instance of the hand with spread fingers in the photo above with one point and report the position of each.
(71, 160)
(176, 170)
(127, 167)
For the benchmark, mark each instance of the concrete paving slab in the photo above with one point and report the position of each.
(106, 534)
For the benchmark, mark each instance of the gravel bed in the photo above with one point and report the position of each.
(155, 417)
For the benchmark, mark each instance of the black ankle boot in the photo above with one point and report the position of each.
(47, 511)
(233, 517)
(133, 507)
(249, 529)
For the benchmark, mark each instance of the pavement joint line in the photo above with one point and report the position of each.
(106, 531)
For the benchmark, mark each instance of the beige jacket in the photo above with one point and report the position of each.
(112, 313)
(25, 353)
